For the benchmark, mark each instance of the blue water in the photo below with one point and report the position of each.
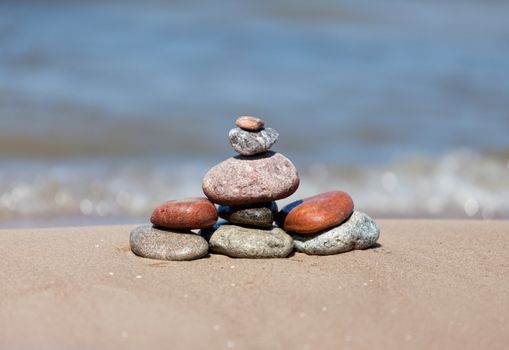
(383, 99)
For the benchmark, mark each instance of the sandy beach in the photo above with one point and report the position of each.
(115, 114)
(428, 284)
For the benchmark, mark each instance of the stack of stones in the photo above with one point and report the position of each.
(245, 188)
(327, 224)
(170, 236)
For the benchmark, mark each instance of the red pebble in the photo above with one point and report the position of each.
(317, 213)
(185, 214)
(250, 123)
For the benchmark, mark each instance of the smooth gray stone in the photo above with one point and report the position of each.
(153, 243)
(261, 215)
(243, 242)
(249, 143)
(358, 232)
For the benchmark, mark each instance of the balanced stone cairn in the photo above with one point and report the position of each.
(246, 188)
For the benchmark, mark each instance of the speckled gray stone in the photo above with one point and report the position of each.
(249, 143)
(260, 215)
(243, 242)
(242, 180)
(150, 242)
(358, 232)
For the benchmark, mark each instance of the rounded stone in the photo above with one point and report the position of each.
(317, 213)
(243, 242)
(185, 214)
(358, 232)
(247, 180)
(250, 123)
(153, 243)
(249, 143)
(259, 215)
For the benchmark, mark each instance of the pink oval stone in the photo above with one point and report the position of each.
(250, 123)
(185, 214)
(317, 213)
(243, 180)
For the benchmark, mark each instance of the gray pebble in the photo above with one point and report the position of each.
(249, 143)
(243, 242)
(358, 232)
(150, 242)
(261, 215)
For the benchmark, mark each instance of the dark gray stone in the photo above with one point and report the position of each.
(249, 143)
(358, 232)
(259, 215)
(243, 242)
(150, 242)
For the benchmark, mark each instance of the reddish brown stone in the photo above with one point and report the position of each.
(250, 123)
(317, 213)
(185, 214)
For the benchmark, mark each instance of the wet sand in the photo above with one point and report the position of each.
(429, 284)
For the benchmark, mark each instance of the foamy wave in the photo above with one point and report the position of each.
(458, 184)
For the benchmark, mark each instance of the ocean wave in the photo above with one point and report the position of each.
(459, 184)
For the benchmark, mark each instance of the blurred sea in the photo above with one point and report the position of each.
(108, 108)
